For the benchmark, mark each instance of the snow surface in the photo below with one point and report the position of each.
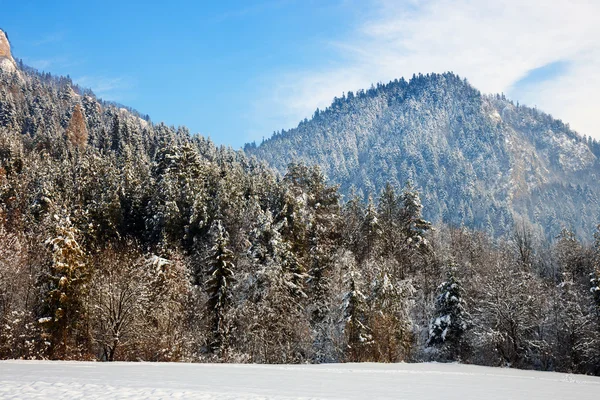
(89, 380)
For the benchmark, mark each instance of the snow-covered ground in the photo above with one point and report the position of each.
(87, 380)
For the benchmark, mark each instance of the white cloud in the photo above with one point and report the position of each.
(491, 43)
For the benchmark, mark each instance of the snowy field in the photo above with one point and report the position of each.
(85, 380)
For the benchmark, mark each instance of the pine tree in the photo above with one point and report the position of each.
(414, 250)
(316, 206)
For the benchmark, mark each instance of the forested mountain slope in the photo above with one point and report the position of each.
(478, 160)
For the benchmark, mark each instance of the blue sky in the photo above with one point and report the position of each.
(200, 64)
(238, 70)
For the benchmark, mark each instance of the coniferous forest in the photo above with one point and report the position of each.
(121, 239)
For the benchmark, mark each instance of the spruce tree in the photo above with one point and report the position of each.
(414, 226)
(358, 334)
(449, 323)
(218, 288)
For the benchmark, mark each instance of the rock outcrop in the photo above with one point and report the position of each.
(7, 62)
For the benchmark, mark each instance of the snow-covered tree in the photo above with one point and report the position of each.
(64, 313)
(389, 221)
(219, 285)
(576, 327)
(570, 255)
(352, 214)
(370, 230)
(390, 305)
(450, 320)
(413, 225)
(359, 338)
(166, 337)
(274, 315)
(509, 316)
(20, 333)
(120, 301)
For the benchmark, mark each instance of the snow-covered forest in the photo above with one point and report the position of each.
(121, 239)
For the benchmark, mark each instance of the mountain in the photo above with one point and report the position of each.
(478, 160)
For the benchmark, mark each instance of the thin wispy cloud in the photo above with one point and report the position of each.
(494, 44)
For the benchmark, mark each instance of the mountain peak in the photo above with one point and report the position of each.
(480, 160)
(7, 62)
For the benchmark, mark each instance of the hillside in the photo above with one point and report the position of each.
(480, 161)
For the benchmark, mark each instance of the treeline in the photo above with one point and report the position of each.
(124, 240)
